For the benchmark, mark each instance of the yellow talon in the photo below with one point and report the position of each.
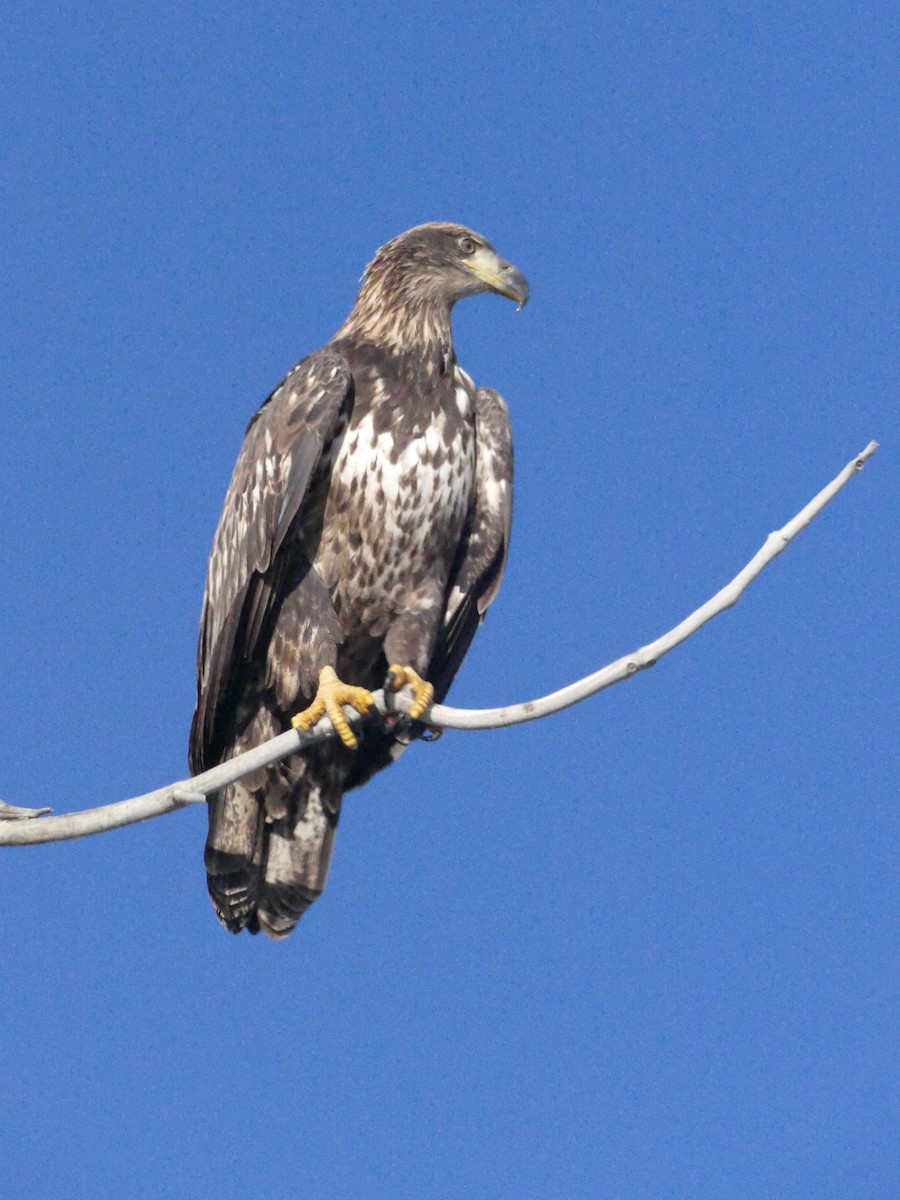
(423, 693)
(331, 694)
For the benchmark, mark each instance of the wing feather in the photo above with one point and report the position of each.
(481, 560)
(282, 448)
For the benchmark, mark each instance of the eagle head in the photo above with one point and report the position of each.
(444, 263)
(413, 281)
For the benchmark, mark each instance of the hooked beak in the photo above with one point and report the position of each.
(499, 275)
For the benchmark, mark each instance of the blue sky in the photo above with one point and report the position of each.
(645, 949)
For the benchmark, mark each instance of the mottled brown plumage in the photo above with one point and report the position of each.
(367, 523)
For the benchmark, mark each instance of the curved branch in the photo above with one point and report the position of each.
(25, 831)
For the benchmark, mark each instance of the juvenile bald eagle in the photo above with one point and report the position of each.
(363, 537)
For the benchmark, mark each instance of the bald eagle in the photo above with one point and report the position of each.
(363, 536)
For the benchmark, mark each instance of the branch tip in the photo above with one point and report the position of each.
(11, 812)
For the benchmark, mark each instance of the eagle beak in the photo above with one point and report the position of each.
(498, 275)
(513, 285)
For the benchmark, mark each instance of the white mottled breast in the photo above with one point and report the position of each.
(396, 505)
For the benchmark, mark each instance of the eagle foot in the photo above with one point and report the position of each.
(331, 695)
(423, 693)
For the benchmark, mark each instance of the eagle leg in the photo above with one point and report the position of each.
(423, 693)
(331, 695)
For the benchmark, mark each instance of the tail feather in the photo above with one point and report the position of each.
(297, 862)
(264, 873)
(234, 855)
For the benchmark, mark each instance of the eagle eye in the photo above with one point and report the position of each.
(468, 245)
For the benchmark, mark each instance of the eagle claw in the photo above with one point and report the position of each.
(331, 695)
(423, 693)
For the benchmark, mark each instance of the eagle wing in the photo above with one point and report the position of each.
(481, 559)
(282, 448)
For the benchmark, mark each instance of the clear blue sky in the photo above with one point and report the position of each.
(645, 949)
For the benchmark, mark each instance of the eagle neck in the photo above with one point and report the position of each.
(414, 327)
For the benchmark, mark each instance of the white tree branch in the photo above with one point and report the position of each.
(18, 829)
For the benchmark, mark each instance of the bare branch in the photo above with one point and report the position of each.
(23, 831)
(630, 664)
(9, 812)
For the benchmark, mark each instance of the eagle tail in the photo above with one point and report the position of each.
(234, 855)
(263, 872)
(298, 855)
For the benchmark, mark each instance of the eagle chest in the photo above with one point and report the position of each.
(399, 492)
